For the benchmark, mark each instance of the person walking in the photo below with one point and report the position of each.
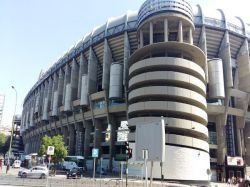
(7, 168)
(1, 165)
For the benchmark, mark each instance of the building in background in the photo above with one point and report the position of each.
(169, 59)
(17, 146)
(2, 98)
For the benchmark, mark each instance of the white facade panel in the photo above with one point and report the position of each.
(216, 80)
(67, 105)
(115, 86)
(55, 104)
(84, 92)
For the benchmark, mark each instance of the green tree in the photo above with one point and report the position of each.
(60, 149)
(4, 143)
(3, 139)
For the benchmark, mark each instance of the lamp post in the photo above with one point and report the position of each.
(12, 128)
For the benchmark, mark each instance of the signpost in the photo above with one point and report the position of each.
(95, 153)
(50, 151)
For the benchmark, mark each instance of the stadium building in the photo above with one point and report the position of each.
(169, 59)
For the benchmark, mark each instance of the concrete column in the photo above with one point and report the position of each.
(151, 33)
(66, 81)
(239, 142)
(221, 139)
(55, 96)
(50, 99)
(243, 62)
(40, 110)
(82, 70)
(107, 60)
(79, 139)
(55, 82)
(54, 89)
(60, 87)
(113, 138)
(190, 36)
(165, 30)
(31, 111)
(225, 55)
(141, 38)
(88, 129)
(98, 135)
(72, 137)
(180, 32)
(37, 101)
(92, 72)
(247, 143)
(74, 79)
(65, 133)
(203, 46)
(45, 102)
(125, 59)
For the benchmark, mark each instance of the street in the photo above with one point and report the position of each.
(12, 180)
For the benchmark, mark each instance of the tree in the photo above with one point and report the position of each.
(60, 149)
(4, 143)
(3, 139)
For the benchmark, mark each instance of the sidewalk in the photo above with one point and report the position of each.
(12, 171)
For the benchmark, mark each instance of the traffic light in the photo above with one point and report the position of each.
(128, 150)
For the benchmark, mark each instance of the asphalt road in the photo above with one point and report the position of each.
(12, 180)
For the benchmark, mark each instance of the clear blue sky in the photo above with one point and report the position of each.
(34, 33)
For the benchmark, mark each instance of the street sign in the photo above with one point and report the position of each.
(150, 136)
(95, 152)
(50, 150)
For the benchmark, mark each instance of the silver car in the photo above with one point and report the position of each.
(40, 172)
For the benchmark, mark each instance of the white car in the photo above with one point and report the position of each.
(39, 172)
(16, 164)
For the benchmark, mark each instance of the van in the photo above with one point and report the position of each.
(68, 165)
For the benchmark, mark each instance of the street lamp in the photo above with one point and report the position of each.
(12, 128)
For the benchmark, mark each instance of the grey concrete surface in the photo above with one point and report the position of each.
(12, 180)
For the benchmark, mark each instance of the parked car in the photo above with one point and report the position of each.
(16, 164)
(74, 173)
(40, 172)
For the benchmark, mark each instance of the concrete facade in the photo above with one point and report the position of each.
(180, 62)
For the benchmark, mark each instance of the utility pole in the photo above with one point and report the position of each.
(12, 128)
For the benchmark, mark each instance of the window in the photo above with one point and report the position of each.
(212, 137)
(99, 104)
(172, 36)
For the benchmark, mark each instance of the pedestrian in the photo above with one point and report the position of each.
(7, 168)
(1, 165)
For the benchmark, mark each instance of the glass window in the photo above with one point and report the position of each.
(212, 137)
(172, 36)
(99, 104)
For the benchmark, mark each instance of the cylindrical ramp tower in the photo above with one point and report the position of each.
(167, 78)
